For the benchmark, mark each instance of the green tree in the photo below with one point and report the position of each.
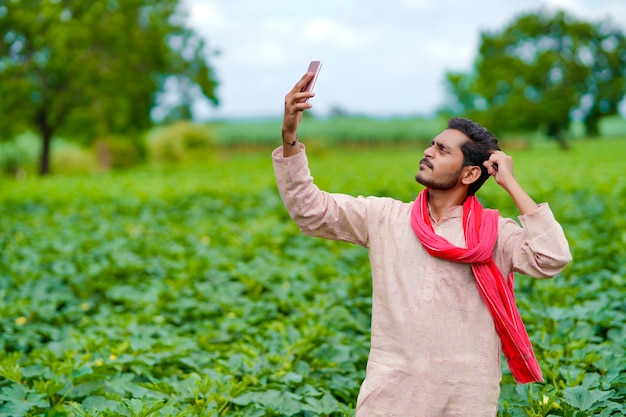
(86, 69)
(542, 71)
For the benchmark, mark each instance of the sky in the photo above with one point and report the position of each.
(380, 58)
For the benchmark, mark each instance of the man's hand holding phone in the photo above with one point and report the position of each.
(314, 68)
(296, 101)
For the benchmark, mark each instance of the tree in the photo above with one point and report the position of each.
(91, 68)
(542, 71)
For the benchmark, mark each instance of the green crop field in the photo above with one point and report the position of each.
(188, 291)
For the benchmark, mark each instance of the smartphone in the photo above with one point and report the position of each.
(314, 67)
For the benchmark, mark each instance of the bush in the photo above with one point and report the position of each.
(72, 160)
(179, 142)
(18, 154)
(9, 158)
(119, 152)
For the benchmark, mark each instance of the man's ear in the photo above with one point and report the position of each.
(470, 174)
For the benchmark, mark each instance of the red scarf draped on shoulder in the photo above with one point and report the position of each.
(481, 231)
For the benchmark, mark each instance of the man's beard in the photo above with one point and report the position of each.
(447, 183)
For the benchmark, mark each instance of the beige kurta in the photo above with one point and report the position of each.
(434, 347)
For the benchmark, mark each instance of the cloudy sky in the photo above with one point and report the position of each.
(380, 58)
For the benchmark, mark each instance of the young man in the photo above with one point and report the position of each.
(443, 308)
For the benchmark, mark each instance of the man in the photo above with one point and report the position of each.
(442, 303)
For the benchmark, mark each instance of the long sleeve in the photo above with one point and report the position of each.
(316, 212)
(539, 248)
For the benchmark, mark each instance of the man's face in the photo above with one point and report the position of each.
(442, 165)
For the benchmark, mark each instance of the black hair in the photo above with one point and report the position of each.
(477, 149)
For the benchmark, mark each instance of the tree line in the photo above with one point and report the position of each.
(88, 70)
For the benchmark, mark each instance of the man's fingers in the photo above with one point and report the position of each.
(491, 167)
(499, 165)
(296, 97)
(298, 104)
(302, 83)
(301, 98)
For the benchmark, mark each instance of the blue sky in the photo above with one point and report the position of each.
(381, 58)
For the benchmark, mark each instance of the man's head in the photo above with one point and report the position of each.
(456, 157)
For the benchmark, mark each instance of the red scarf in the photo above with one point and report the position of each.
(496, 292)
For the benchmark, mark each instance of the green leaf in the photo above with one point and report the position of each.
(10, 368)
(584, 399)
(326, 405)
(291, 378)
(123, 384)
(99, 403)
(611, 363)
(280, 402)
(20, 399)
(142, 408)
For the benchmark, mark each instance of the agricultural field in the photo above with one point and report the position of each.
(187, 291)
(356, 130)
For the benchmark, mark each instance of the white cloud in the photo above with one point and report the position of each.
(333, 34)
(317, 30)
(269, 55)
(203, 15)
(421, 5)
